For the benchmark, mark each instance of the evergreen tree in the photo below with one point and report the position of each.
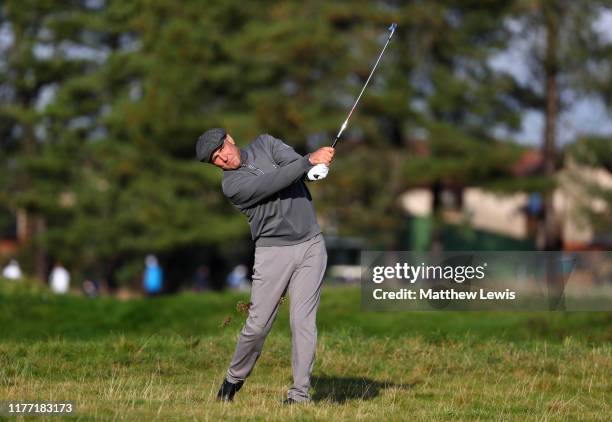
(566, 56)
(436, 84)
(102, 103)
(34, 61)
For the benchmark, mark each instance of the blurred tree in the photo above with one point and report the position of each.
(102, 102)
(566, 55)
(34, 60)
(429, 116)
(138, 188)
(94, 149)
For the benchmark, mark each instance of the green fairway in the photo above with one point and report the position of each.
(164, 359)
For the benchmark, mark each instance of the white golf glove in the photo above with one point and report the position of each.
(318, 172)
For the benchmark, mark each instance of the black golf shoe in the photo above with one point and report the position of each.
(227, 390)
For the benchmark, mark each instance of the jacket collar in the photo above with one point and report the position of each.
(244, 157)
(244, 160)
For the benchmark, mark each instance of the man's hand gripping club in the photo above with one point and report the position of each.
(321, 159)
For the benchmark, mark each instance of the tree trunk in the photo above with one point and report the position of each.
(551, 235)
(30, 229)
(551, 238)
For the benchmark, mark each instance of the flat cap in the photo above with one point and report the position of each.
(208, 142)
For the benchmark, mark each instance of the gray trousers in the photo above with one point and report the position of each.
(299, 270)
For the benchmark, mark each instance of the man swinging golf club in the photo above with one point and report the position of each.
(265, 181)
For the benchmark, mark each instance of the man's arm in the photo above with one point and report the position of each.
(282, 153)
(246, 191)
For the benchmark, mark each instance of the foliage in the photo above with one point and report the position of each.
(101, 103)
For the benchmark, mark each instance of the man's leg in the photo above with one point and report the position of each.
(271, 274)
(305, 294)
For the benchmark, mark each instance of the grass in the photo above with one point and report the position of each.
(164, 359)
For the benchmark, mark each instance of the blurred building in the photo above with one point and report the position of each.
(473, 218)
(573, 201)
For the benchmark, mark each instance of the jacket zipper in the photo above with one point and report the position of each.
(252, 167)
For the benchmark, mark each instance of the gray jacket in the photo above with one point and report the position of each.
(269, 189)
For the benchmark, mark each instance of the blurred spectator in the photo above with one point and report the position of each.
(59, 279)
(153, 276)
(12, 271)
(535, 204)
(90, 288)
(201, 279)
(237, 280)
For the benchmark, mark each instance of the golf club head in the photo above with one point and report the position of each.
(392, 29)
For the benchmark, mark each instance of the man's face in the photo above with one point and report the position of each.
(227, 156)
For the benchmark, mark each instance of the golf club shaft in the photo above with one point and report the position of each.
(392, 30)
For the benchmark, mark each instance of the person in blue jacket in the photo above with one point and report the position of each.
(153, 279)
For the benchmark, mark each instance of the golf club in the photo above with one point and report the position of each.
(391, 31)
(320, 170)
